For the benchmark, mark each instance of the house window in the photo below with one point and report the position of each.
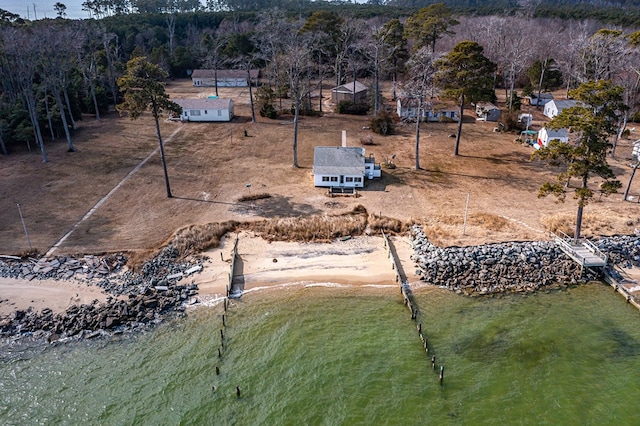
(334, 178)
(325, 178)
(194, 112)
(219, 113)
(205, 111)
(358, 179)
(349, 179)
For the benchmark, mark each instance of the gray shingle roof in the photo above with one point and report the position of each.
(337, 160)
(565, 103)
(203, 103)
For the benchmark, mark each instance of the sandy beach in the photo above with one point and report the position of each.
(358, 261)
(20, 294)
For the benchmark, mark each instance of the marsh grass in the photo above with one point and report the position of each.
(389, 225)
(317, 228)
(196, 238)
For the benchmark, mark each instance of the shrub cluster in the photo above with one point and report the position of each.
(382, 123)
(348, 107)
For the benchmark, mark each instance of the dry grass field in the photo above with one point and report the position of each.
(210, 165)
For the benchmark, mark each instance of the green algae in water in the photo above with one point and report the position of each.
(349, 356)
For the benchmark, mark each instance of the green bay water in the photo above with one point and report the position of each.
(344, 356)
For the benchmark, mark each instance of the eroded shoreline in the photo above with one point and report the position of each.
(166, 285)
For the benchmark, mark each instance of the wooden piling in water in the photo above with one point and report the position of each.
(219, 353)
(217, 370)
(238, 391)
(441, 378)
(221, 335)
(433, 362)
(224, 323)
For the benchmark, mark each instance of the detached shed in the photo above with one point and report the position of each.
(486, 111)
(346, 91)
(207, 109)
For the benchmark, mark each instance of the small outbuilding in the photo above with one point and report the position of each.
(347, 90)
(555, 107)
(207, 109)
(343, 167)
(224, 78)
(546, 135)
(486, 111)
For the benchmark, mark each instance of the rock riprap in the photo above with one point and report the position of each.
(136, 300)
(492, 268)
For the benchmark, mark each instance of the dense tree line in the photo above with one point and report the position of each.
(56, 70)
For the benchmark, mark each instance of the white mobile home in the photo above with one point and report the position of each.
(407, 109)
(224, 78)
(207, 109)
(345, 167)
(546, 135)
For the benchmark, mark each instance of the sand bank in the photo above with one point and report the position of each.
(20, 294)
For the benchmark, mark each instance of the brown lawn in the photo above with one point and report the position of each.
(211, 163)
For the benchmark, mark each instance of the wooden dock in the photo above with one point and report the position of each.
(582, 251)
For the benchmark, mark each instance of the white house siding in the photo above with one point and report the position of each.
(343, 181)
(407, 108)
(222, 82)
(555, 107)
(224, 78)
(208, 109)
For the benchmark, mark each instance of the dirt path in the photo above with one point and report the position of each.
(109, 194)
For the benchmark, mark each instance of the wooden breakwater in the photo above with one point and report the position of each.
(616, 278)
(234, 288)
(410, 301)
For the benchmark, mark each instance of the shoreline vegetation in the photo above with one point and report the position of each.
(74, 297)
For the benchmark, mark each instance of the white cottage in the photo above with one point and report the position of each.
(546, 135)
(345, 167)
(207, 109)
(223, 78)
(555, 107)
